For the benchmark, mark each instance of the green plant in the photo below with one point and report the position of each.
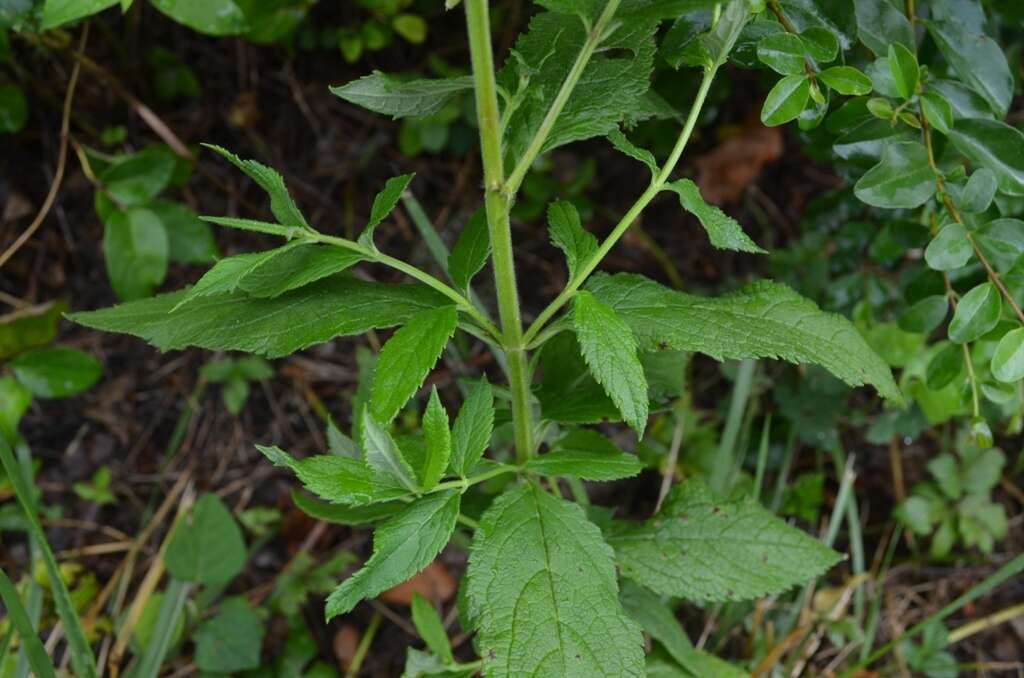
(580, 71)
(234, 375)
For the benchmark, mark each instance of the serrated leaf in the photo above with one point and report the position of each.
(382, 93)
(332, 307)
(231, 640)
(56, 372)
(610, 351)
(977, 59)
(471, 432)
(724, 232)
(902, 179)
(786, 100)
(588, 455)
(470, 252)
(402, 546)
(567, 391)
(846, 80)
(556, 611)
(383, 203)
(381, 454)
(568, 234)
(206, 546)
(1008, 358)
(627, 147)
(430, 627)
(136, 251)
(706, 550)
(282, 206)
(254, 225)
(407, 358)
(439, 441)
(340, 480)
(763, 320)
(345, 514)
(976, 314)
(994, 145)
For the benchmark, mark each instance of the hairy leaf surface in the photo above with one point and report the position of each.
(386, 94)
(763, 320)
(471, 433)
(724, 232)
(340, 480)
(542, 593)
(706, 550)
(282, 206)
(586, 454)
(568, 234)
(383, 456)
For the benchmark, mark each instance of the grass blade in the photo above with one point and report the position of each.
(34, 650)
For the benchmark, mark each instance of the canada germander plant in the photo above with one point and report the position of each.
(542, 591)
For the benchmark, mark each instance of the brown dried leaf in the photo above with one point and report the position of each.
(724, 173)
(433, 583)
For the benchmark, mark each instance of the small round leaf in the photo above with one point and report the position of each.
(949, 250)
(846, 80)
(976, 314)
(979, 191)
(783, 53)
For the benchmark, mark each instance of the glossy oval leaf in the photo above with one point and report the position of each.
(902, 179)
(994, 145)
(56, 372)
(949, 250)
(925, 315)
(904, 70)
(846, 80)
(937, 111)
(786, 100)
(980, 191)
(976, 314)
(212, 17)
(1008, 358)
(136, 251)
(783, 53)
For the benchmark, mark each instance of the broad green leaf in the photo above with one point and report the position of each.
(925, 315)
(542, 594)
(438, 437)
(59, 12)
(13, 109)
(402, 546)
(937, 111)
(786, 100)
(904, 69)
(136, 249)
(430, 627)
(56, 372)
(880, 23)
(407, 358)
(470, 252)
(902, 179)
(294, 267)
(231, 640)
(345, 514)
(1002, 242)
(976, 314)
(863, 143)
(339, 480)
(610, 351)
(783, 52)
(189, 239)
(950, 249)
(15, 400)
(980, 191)
(724, 232)
(978, 60)
(332, 307)
(382, 455)
(1008, 358)
(568, 235)
(383, 203)
(762, 320)
(586, 454)
(282, 206)
(627, 147)
(946, 365)
(206, 546)
(388, 95)
(846, 80)
(820, 44)
(706, 550)
(139, 178)
(212, 17)
(611, 86)
(471, 432)
(994, 145)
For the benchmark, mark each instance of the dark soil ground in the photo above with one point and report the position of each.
(273, 104)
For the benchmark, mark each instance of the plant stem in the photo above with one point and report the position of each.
(497, 205)
(627, 220)
(594, 38)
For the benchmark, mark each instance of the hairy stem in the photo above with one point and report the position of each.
(497, 205)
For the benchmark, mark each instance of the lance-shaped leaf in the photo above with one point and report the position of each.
(568, 234)
(382, 93)
(332, 307)
(438, 438)
(706, 550)
(763, 320)
(339, 480)
(282, 206)
(383, 203)
(470, 252)
(407, 358)
(586, 454)
(609, 348)
(542, 594)
(383, 456)
(402, 546)
(471, 433)
(724, 232)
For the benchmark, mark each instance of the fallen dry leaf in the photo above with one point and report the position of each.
(724, 173)
(433, 583)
